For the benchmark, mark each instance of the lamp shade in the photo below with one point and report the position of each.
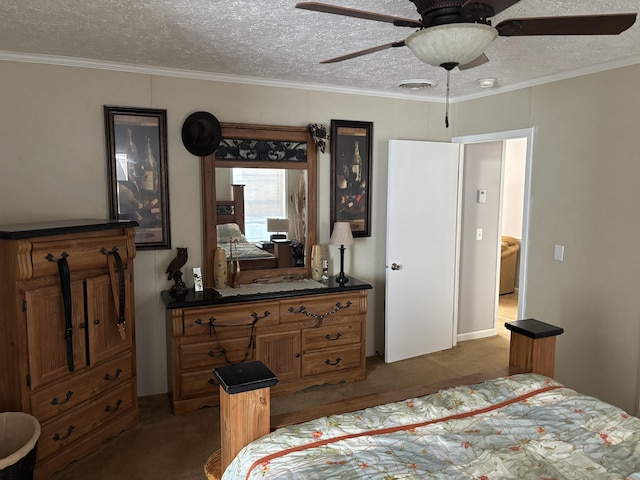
(341, 234)
(454, 43)
(277, 224)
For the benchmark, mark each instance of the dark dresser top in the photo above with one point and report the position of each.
(60, 227)
(210, 296)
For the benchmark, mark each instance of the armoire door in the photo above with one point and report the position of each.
(46, 332)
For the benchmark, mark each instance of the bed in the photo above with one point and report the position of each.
(230, 226)
(521, 426)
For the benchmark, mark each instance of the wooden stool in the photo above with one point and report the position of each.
(245, 392)
(533, 346)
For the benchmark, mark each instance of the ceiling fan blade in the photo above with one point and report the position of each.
(351, 12)
(497, 5)
(481, 60)
(610, 24)
(364, 52)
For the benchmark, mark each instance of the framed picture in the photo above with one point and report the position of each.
(351, 175)
(138, 181)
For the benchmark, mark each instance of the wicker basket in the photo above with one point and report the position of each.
(19, 433)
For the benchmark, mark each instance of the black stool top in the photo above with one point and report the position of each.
(244, 377)
(532, 328)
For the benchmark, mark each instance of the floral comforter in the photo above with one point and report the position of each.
(519, 427)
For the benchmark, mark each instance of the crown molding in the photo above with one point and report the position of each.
(218, 77)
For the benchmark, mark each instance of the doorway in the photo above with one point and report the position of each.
(511, 211)
(489, 322)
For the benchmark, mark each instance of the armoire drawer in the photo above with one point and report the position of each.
(331, 360)
(83, 253)
(319, 307)
(60, 397)
(331, 336)
(74, 425)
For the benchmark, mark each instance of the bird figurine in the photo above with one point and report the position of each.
(174, 272)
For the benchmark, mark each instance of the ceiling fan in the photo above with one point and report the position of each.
(456, 33)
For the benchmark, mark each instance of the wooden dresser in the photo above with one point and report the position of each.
(62, 357)
(306, 337)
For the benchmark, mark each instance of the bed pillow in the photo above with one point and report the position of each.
(229, 232)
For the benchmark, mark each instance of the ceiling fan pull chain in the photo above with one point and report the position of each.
(446, 115)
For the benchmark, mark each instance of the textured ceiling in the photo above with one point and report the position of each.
(270, 40)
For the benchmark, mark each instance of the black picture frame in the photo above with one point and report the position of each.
(137, 169)
(351, 153)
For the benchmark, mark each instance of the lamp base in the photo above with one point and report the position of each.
(342, 278)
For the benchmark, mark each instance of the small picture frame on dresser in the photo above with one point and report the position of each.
(197, 279)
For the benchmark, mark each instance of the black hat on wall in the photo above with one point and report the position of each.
(201, 133)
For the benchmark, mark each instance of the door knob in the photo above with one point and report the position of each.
(395, 266)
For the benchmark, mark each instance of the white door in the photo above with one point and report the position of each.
(422, 248)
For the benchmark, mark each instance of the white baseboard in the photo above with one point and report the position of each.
(475, 335)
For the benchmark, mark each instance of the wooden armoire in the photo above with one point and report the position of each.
(67, 347)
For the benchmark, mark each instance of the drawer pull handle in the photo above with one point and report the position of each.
(109, 378)
(209, 324)
(57, 437)
(109, 408)
(329, 362)
(56, 401)
(252, 343)
(213, 354)
(212, 381)
(256, 317)
(320, 316)
(333, 339)
(96, 321)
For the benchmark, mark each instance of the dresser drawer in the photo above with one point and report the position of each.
(198, 384)
(215, 354)
(331, 336)
(205, 321)
(58, 398)
(331, 360)
(319, 307)
(83, 253)
(77, 423)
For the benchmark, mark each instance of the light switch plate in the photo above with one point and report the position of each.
(558, 253)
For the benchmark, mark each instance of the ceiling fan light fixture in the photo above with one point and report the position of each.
(454, 43)
(416, 84)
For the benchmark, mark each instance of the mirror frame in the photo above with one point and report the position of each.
(209, 211)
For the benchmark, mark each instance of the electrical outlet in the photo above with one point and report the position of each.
(478, 234)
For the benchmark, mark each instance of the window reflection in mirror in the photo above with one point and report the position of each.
(265, 196)
(275, 206)
(269, 193)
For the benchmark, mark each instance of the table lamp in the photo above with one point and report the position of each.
(341, 236)
(277, 225)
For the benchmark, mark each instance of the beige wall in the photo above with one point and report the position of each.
(585, 189)
(585, 193)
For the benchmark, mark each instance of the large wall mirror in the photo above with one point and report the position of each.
(259, 201)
